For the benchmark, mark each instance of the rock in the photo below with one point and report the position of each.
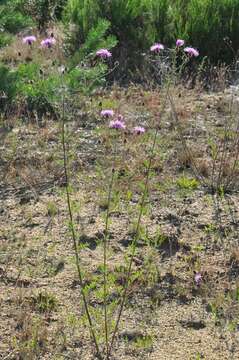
(193, 324)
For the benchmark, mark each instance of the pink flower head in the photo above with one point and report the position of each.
(156, 47)
(107, 113)
(48, 43)
(29, 39)
(198, 278)
(103, 53)
(180, 42)
(191, 51)
(117, 124)
(138, 130)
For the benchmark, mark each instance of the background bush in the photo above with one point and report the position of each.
(12, 20)
(135, 24)
(8, 82)
(210, 25)
(95, 39)
(129, 27)
(44, 11)
(12, 17)
(39, 92)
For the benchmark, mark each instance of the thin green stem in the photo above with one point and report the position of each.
(136, 236)
(135, 240)
(73, 233)
(105, 260)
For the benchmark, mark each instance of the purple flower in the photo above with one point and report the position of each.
(180, 42)
(117, 124)
(156, 47)
(107, 113)
(103, 53)
(29, 39)
(198, 278)
(191, 51)
(48, 43)
(138, 130)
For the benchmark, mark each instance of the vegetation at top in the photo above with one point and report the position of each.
(208, 24)
(129, 27)
(211, 25)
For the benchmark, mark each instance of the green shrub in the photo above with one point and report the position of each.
(40, 11)
(137, 24)
(8, 82)
(5, 39)
(44, 11)
(85, 71)
(96, 38)
(209, 25)
(133, 22)
(38, 90)
(85, 79)
(12, 19)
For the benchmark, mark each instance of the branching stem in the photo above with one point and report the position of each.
(73, 233)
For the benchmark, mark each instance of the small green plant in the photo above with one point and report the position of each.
(52, 208)
(186, 183)
(159, 239)
(143, 342)
(12, 16)
(44, 302)
(8, 85)
(198, 356)
(210, 229)
(31, 340)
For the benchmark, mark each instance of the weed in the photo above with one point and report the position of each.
(143, 342)
(32, 337)
(187, 183)
(158, 240)
(210, 229)
(44, 302)
(52, 209)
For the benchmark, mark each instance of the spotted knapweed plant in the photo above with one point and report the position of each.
(29, 40)
(170, 63)
(118, 126)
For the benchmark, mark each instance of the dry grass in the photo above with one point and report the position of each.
(167, 315)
